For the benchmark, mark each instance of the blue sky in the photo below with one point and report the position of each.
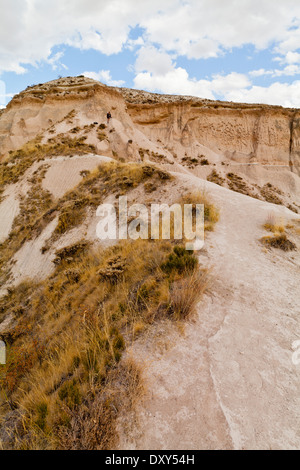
(238, 50)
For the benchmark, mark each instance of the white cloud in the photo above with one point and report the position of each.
(231, 87)
(156, 71)
(131, 44)
(283, 94)
(292, 57)
(224, 84)
(290, 41)
(30, 29)
(289, 70)
(203, 28)
(260, 73)
(104, 76)
(195, 28)
(176, 80)
(154, 61)
(54, 61)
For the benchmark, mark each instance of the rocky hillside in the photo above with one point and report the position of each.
(141, 344)
(244, 133)
(258, 143)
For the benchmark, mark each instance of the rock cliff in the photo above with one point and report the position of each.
(243, 133)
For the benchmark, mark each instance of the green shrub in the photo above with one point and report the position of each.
(69, 393)
(180, 260)
(42, 412)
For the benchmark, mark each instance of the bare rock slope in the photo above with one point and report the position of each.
(229, 381)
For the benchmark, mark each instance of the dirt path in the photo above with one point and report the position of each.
(230, 381)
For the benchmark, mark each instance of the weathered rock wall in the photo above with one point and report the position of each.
(243, 133)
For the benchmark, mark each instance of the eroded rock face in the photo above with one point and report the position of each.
(38, 108)
(295, 144)
(243, 133)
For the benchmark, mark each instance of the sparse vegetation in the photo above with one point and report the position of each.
(237, 184)
(70, 332)
(38, 209)
(279, 241)
(20, 160)
(33, 217)
(273, 225)
(211, 214)
(214, 177)
(190, 162)
(271, 194)
(101, 136)
(66, 379)
(142, 153)
(75, 130)
(150, 187)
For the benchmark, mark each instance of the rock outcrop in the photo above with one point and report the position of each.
(243, 133)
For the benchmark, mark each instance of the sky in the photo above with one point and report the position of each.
(233, 50)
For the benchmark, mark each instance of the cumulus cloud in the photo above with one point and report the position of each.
(195, 28)
(156, 71)
(152, 60)
(176, 80)
(230, 87)
(30, 29)
(283, 94)
(289, 70)
(204, 28)
(104, 76)
(292, 57)
(55, 62)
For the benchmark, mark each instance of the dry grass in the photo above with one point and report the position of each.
(214, 177)
(191, 162)
(238, 184)
(93, 425)
(38, 209)
(65, 374)
(64, 351)
(186, 293)
(13, 168)
(271, 194)
(279, 238)
(211, 213)
(273, 225)
(279, 241)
